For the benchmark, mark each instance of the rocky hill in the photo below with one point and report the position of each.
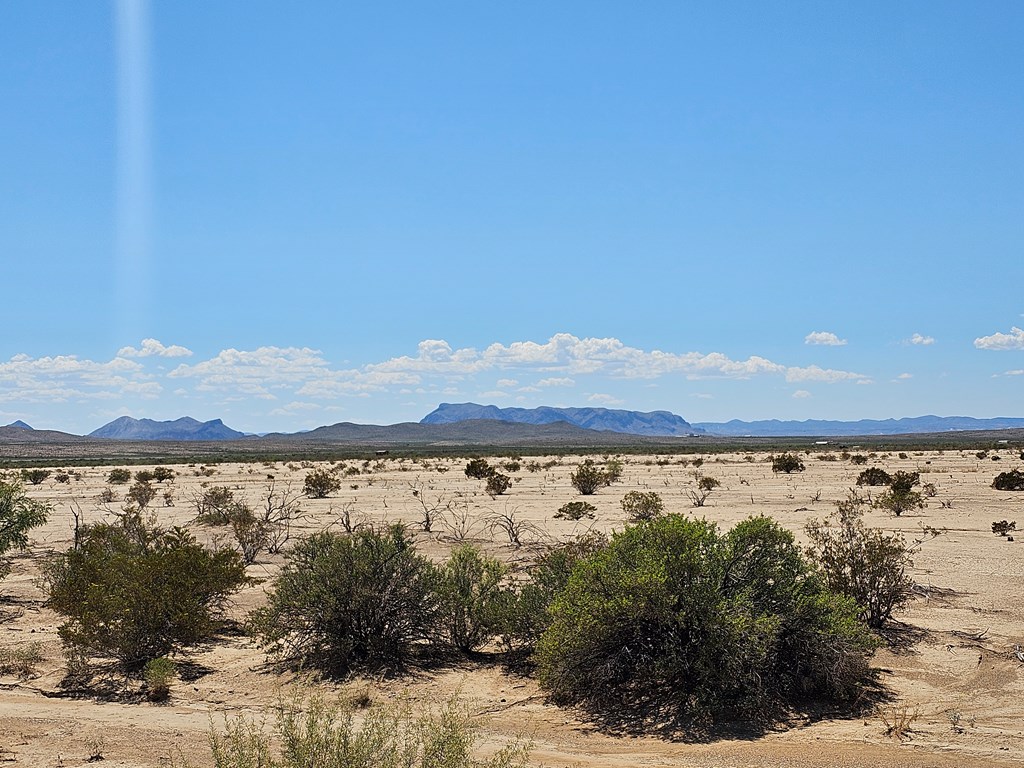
(653, 424)
(823, 428)
(185, 428)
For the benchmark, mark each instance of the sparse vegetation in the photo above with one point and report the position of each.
(21, 660)
(787, 463)
(642, 505)
(864, 563)
(1004, 527)
(320, 483)
(471, 597)
(588, 477)
(874, 476)
(119, 476)
(478, 469)
(1009, 481)
(35, 476)
(705, 485)
(676, 618)
(901, 496)
(18, 515)
(497, 484)
(158, 674)
(576, 510)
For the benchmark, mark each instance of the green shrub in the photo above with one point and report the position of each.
(874, 476)
(1009, 481)
(526, 616)
(158, 675)
(642, 505)
(214, 505)
(471, 597)
(21, 660)
(675, 619)
(141, 493)
(34, 476)
(1004, 527)
(588, 477)
(162, 474)
(901, 496)
(478, 469)
(62, 477)
(18, 515)
(349, 600)
(321, 483)
(133, 592)
(705, 486)
(144, 476)
(787, 463)
(497, 484)
(859, 459)
(576, 510)
(315, 734)
(613, 471)
(864, 563)
(119, 476)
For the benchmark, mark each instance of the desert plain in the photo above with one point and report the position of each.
(952, 671)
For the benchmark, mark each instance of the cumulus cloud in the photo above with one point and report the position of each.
(925, 341)
(151, 347)
(825, 338)
(557, 381)
(604, 399)
(506, 383)
(905, 376)
(800, 394)
(66, 378)
(1012, 340)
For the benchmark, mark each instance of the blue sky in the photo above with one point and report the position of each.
(286, 215)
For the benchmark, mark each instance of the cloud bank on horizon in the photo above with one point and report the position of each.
(291, 388)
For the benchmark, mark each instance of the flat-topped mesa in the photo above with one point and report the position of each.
(185, 428)
(653, 423)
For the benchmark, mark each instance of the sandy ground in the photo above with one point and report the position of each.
(959, 675)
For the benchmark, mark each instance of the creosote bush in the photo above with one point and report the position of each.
(642, 505)
(321, 483)
(478, 469)
(1004, 527)
(119, 476)
(874, 476)
(1009, 481)
(343, 601)
(471, 597)
(676, 619)
(497, 484)
(18, 515)
(864, 563)
(34, 476)
(576, 510)
(588, 477)
(158, 675)
(133, 591)
(901, 496)
(787, 463)
(705, 486)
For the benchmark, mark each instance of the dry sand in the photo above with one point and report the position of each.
(968, 694)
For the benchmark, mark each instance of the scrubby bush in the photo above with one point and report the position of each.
(213, 506)
(34, 476)
(21, 660)
(349, 600)
(497, 484)
(525, 617)
(642, 505)
(163, 474)
(144, 476)
(1009, 481)
(675, 619)
(134, 592)
(158, 675)
(588, 477)
(901, 496)
(859, 459)
(471, 597)
(864, 563)
(576, 510)
(613, 471)
(62, 477)
(787, 463)
(320, 483)
(18, 515)
(313, 734)
(478, 469)
(705, 486)
(1003, 527)
(874, 476)
(119, 476)
(141, 493)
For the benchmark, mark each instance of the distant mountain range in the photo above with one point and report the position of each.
(185, 428)
(819, 428)
(654, 423)
(19, 424)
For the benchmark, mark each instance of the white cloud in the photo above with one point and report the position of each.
(703, 396)
(505, 383)
(604, 399)
(826, 338)
(67, 378)
(800, 394)
(1012, 340)
(1017, 372)
(562, 381)
(925, 341)
(905, 376)
(150, 347)
(493, 394)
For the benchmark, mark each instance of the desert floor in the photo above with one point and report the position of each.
(956, 669)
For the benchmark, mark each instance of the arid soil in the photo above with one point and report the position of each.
(951, 671)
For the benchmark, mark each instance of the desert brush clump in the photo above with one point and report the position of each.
(1009, 481)
(132, 591)
(18, 515)
(866, 564)
(588, 477)
(642, 505)
(576, 510)
(349, 600)
(471, 597)
(787, 463)
(320, 483)
(874, 476)
(317, 734)
(676, 619)
(901, 496)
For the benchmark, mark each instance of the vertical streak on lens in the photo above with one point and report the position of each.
(133, 193)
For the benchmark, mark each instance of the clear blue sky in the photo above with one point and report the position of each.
(323, 211)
